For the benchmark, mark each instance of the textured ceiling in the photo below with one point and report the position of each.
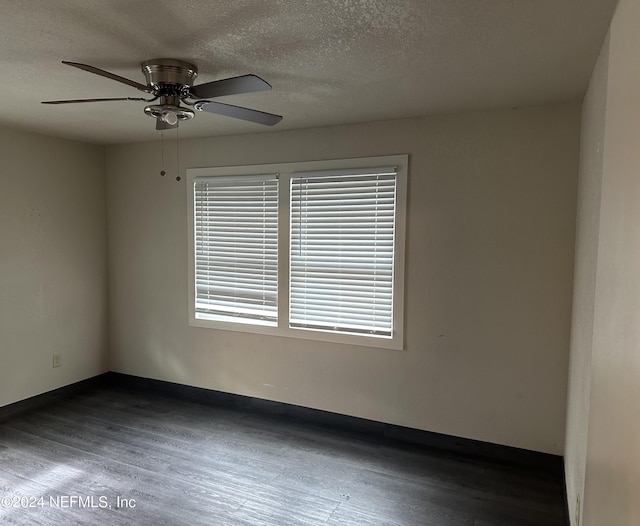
(329, 61)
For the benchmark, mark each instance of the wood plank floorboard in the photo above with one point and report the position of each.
(183, 463)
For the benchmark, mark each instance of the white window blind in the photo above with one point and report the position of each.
(342, 251)
(236, 248)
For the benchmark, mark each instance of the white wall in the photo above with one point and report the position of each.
(588, 217)
(52, 263)
(612, 456)
(491, 219)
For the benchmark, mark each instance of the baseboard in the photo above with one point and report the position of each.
(51, 396)
(380, 431)
(370, 429)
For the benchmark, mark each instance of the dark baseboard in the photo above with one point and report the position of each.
(369, 429)
(51, 396)
(379, 431)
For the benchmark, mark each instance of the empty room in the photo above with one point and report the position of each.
(320, 262)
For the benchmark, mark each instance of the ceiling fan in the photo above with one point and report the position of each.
(170, 83)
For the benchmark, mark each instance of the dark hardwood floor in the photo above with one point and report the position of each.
(119, 456)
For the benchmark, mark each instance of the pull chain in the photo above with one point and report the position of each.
(162, 172)
(178, 152)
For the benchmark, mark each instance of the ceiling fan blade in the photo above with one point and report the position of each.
(112, 76)
(76, 101)
(230, 86)
(237, 112)
(162, 125)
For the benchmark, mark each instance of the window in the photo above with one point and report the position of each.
(310, 250)
(341, 262)
(236, 248)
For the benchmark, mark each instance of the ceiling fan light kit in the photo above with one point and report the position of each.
(169, 111)
(171, 84)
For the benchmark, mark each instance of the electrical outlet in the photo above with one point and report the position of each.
(57, 360)
(577, 512)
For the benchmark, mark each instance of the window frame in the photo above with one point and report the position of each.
(285, 171)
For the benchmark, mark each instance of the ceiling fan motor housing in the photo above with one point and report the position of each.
(170, 80)
(160, 72)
